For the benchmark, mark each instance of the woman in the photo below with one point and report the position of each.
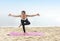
(24, 19)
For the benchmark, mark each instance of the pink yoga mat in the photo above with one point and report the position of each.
(26, 34)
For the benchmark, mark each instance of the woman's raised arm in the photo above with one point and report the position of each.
(14, 15)
(33, 15)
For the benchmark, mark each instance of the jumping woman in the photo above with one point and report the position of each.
(24, 19)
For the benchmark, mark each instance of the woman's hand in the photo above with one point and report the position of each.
(38, 14)
(10, 15)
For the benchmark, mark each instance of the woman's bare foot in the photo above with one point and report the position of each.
(19, 26)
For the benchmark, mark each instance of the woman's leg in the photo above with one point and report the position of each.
(24, 28)
(26, 22)
(23, 25)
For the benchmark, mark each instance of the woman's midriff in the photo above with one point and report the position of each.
(23, 17)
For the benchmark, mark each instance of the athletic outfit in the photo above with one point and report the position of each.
(24, 22)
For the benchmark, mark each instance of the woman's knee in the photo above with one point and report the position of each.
(29, 23)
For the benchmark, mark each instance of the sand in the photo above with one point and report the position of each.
(50, 34)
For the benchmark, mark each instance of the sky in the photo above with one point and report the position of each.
(49, 11)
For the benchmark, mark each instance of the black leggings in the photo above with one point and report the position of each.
(24, 22)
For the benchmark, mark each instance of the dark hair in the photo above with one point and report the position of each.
(24, 12)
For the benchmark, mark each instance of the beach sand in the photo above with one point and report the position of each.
(50, 34)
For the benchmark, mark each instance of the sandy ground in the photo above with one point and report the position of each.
(51, 34)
